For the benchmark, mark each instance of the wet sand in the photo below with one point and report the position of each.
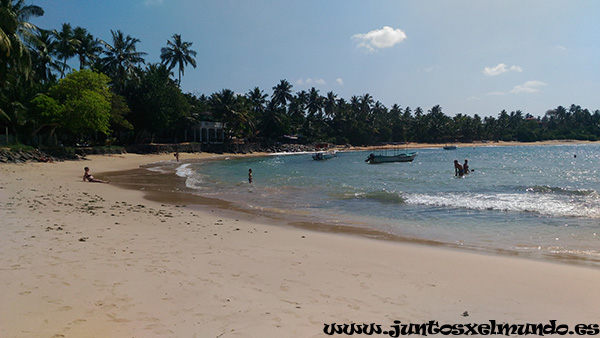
(168, 188)
(85, 259)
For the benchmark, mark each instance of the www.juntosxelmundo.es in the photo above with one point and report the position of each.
(434, 328)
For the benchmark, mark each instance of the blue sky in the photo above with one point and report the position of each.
(468, 56)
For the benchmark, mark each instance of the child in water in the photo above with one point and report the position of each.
(249, 175)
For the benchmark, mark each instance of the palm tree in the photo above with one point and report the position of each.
(437, 123)
(273, 123)
(229, 107)
(121, 58)
(65, 45)
(87, 48)
(282, 93)
(15, 31)
(296, 110)
(178, 53)
(258, 100)
(366, 102)
(314, 105)
(43, 58)
(313, 124)
(15, 60)
(330, 102)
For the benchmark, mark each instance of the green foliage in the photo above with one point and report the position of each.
(86, 99)
(235, 110)
(119, 110)
(156, 102)
(151, 103)
(47, 109)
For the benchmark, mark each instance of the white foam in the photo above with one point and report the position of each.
(192, 178)
(541, 204)
(184, 170)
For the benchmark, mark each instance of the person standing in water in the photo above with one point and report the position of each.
(466, 167)
(458, 169)
(249, 175)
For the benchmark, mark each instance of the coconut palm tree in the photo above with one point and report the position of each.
(122, 58)
(178, 53)
(282, 93)
(257, 101)
(315, 103)
(330, 104)
(43, 59)
(231, 109)
(15, 31)
(65, 46)
(87, 48)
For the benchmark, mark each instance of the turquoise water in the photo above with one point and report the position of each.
(531, 200)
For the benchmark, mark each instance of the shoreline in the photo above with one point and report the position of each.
(161, 190)
(414, 145)
(88, 259)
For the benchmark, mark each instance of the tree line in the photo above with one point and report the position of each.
(116, 96)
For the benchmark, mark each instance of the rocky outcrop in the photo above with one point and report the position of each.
(8, 155)
(24, 155)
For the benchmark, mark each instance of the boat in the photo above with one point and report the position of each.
(401, 157)
(324, 155)
(451, 147)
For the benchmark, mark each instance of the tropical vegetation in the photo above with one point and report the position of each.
(117, 96)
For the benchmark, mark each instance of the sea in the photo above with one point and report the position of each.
(536, 201)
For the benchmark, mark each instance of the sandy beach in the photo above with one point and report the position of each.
(414, 145)
(82, 259)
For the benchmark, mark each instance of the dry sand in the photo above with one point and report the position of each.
(82, 259)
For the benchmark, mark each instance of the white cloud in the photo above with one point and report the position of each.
(499, 69)
(339, 81)
(528, 87)
(310, 81)
(380, 38)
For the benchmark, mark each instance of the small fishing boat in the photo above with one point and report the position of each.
(402, 157)
(449, 147)
(324, 155)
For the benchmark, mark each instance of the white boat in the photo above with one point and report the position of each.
(324, 155)
(402, 157)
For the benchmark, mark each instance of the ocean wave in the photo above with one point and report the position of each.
(184, 170)
(545, 189)
(382, 196)
(161, 170)
(546, 205)
(192, 178)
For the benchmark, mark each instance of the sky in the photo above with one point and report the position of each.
(468, 56)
